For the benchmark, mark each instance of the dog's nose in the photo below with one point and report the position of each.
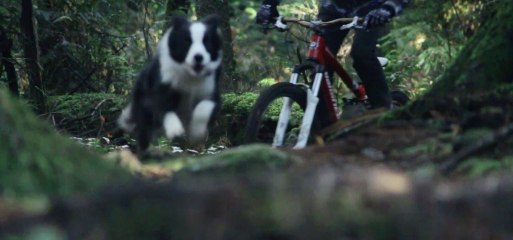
(198, 58)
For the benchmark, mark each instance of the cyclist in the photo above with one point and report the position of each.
(376, 13)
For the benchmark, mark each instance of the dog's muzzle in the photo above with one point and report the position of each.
(198, 68)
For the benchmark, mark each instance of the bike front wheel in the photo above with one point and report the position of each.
(263, 118)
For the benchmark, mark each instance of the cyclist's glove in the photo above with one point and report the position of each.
(377, 17)
(267, 13)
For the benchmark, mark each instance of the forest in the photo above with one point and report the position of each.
(439, 166)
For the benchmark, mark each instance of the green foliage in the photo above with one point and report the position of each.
(238, 104)
(479, 166)
(89, 46)
(36, 161)
(266, 82)
(241, 104)
(86, 115)
(424, 41)
(84, 104)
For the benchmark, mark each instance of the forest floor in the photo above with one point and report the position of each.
(399, 145)
(472, 138)
(443, 175)
(430, 178)
(473, 141)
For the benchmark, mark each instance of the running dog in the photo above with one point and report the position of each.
(177, 91)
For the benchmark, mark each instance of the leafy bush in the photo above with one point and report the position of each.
(241, 104)
(86, 115)
(235, 111)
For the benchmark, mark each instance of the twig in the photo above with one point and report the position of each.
(102, 119)
(486, 142)
(99, 105)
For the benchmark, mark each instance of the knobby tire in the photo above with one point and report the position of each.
(277, 91)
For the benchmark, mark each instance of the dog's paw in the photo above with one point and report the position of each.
(200, 118)
(172, 125)
(197, 134)
(124, 120)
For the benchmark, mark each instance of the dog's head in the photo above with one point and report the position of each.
(195, 46)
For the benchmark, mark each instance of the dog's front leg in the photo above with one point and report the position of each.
(125, 120)
(172, 125)
(200, 118)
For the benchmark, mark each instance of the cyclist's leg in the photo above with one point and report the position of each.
(333, 36)
(366, 64)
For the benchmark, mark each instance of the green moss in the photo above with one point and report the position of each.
(34, 159)
(234, 103)
(235, 111)
(245, 158)
(79, 114)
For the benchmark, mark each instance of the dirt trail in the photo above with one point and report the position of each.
(386, 144)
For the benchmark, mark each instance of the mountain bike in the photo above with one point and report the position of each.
(313, 97)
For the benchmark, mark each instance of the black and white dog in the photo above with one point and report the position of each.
(177, 92)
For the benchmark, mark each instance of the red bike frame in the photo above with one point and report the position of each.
(320, 59)
(319, 52)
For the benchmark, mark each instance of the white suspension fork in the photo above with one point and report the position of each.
(311, 106)
(284, 117)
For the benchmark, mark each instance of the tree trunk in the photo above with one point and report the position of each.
(146, 32)
(31, 53)
(486, 60)
(482, 67)
(6, 56)
(221, 8)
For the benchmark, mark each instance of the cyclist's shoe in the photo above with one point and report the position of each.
(353, 110)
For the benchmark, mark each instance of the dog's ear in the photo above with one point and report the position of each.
(212, 20)
(178, 21)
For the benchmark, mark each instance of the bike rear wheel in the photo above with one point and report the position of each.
(262, 120)
(399, 98)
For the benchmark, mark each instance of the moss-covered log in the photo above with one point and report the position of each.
(320, 203)
(36, 160)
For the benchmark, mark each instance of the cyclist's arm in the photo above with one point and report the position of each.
(395, 6)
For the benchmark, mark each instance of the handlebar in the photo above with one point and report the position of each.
(348, 23)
